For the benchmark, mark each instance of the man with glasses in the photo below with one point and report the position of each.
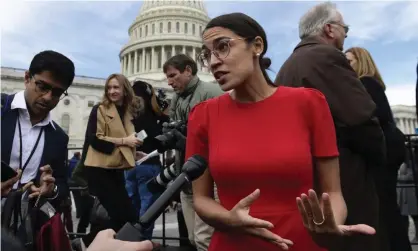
(181, 73)
(318, 62)
(31, 141)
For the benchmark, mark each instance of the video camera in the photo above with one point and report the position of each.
(173, 136)
(162, 99)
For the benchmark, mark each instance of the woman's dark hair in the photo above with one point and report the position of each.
(246, 27)
(147, 93)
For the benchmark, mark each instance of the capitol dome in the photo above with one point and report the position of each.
(162, 29)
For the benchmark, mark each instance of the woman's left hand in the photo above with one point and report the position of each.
(321, 220)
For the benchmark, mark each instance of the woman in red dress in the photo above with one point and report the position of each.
(264, 145)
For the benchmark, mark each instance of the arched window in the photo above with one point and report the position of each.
(200, 30)
(140, 32)
(146, 30)
(186, 30)
(194, 29)
(178, 27)
(169, 27)
(161, 27)
(65, 123)
(153, 29)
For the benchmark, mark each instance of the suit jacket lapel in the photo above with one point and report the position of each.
(8, 127)
(48, 145)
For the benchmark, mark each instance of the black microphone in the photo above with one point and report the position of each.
(194, 167)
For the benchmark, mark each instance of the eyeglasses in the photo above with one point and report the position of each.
(220, 50)
(345, 27)
(44, 88)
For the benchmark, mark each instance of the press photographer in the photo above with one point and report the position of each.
(181, 73)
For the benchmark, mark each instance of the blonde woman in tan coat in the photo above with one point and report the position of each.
(110, 146)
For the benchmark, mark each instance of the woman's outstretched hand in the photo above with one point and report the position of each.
(322, 221)
(240, 219)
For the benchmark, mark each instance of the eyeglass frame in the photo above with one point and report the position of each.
(216, 54)
(345, 27)
(49, 89)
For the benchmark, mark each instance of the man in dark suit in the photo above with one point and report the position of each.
(318, 62)
(30, 140)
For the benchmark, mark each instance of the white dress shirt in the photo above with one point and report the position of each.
(29, 136)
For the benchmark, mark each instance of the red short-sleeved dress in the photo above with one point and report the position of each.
(267, 145)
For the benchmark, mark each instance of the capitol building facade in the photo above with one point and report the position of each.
(162, 29)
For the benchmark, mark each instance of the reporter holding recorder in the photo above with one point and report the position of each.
(110, 145)
(265, 193)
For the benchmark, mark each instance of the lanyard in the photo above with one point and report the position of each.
(21, 151)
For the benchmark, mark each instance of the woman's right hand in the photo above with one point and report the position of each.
(132, 141)
(240, 219)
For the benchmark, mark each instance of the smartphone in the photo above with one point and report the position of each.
(141, 135)
(7, 172)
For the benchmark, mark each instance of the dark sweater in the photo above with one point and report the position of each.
(152, 125)
(383, 111)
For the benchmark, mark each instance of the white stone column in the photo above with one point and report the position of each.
(163, 55)
(149, 65)
(184, 50)
(402, 125)
(173, 50)
(136, 62)
(153, 61)
(121, 65)
(125, 70)
(194, 53)
(410, 125)
(407, 126)
(143, 60)
(129, 64)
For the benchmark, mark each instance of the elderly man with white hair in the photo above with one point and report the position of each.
(318, 62)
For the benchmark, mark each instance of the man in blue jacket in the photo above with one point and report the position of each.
(31, 141)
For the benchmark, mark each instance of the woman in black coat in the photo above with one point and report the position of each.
(150, 120)
(393, 231)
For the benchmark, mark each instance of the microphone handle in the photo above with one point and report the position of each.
(130, 232)
(158, 207)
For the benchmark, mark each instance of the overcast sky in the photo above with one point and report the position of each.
(92, 33)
